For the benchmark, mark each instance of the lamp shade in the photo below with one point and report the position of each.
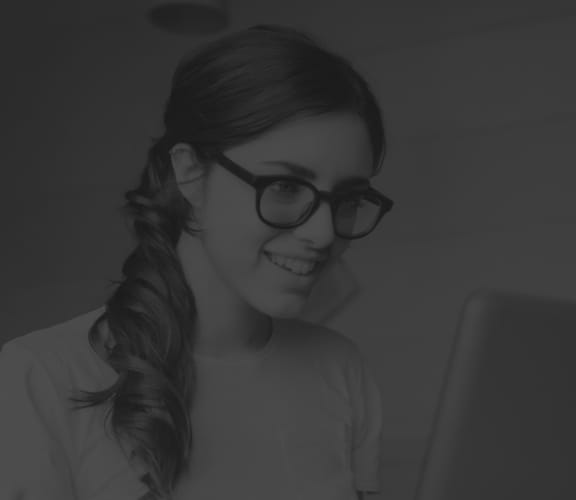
(192, 17)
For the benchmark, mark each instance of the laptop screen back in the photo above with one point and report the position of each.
(505, 426)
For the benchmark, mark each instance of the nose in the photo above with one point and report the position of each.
(319, 228)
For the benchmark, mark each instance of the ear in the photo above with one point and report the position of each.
(189, 173)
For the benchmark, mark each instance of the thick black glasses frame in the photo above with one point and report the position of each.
(261, 182)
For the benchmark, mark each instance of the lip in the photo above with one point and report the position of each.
(304, 278)
(315, 260)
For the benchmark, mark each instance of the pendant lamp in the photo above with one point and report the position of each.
(189, 17)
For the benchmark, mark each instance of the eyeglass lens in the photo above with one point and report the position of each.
(288, 203)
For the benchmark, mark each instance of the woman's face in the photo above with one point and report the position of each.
(236, 244)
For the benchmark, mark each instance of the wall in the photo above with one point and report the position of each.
(481, 165)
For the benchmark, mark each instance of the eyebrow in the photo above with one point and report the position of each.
(309, 174)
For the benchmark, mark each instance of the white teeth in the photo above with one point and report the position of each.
(295, 265)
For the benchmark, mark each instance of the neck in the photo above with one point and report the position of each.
(225, 340)
(225, 325)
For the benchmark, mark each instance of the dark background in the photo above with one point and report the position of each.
(480, 111)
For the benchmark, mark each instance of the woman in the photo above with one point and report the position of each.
(199, 378)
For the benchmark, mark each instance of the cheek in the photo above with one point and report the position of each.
(237, 237)
(227, 213)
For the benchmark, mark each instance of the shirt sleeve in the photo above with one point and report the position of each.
(33, 461)
(367, 415)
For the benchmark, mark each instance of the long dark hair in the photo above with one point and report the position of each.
(226, 93)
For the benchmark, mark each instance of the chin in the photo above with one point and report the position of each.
(287, 308)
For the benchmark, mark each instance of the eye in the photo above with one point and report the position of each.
(287, 187)
(353, 203)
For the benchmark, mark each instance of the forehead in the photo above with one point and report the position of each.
(334, 146)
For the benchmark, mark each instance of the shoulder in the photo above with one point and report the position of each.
(66, 335)
(42, 438)
(61, 351)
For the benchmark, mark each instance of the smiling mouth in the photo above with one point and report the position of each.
(295, 272)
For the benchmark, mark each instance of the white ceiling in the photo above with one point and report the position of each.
(356, 24)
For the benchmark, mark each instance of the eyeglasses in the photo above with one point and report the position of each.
(285, 202)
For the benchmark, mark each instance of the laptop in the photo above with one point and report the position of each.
(505, 426)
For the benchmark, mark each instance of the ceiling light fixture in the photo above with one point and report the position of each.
(189, 17)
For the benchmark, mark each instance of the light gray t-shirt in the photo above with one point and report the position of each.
(299, 420)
